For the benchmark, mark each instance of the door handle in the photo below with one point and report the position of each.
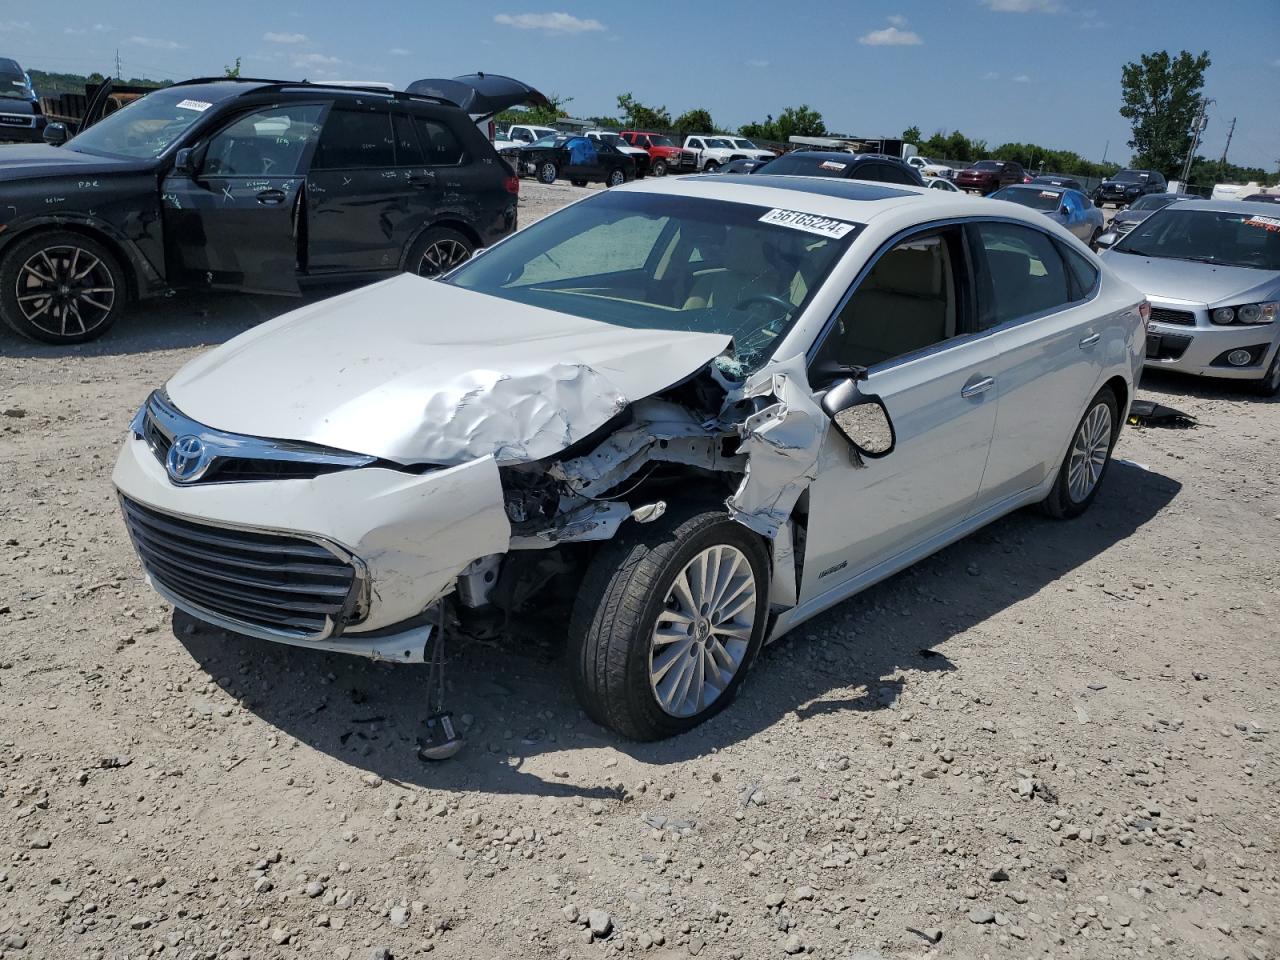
(271, 197)
(1090, 340)
(977, 387)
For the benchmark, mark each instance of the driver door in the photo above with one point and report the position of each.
(909, 322)
(235, 222)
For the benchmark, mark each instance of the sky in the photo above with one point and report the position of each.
(1038, 71)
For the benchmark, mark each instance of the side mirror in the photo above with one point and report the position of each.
(55, 134)
(1064, 210)
(184, 162)
(1106, 241)
(861, 419)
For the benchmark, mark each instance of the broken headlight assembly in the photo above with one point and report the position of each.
(1247, 314)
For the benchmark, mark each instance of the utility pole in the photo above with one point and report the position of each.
(1197, 128)
(1104, 151)
(117, 63)
(1227, 147)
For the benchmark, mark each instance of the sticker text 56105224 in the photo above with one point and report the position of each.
(809, 222)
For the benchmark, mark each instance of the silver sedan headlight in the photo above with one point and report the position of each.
(1248, 314)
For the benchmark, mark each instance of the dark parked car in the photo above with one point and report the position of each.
(248, 185)
(988, 176)
(580, 160)
(21, 119)
(848, 166)
(741, 166)
(1262, 198)
(1125, 220)
(1127, 186)
(1058, 180)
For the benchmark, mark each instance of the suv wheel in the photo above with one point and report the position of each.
(438, 251)
(669, 618)
(617, 177)
(1085, 465)
(659, 168)
(61, 287)
(547, 173)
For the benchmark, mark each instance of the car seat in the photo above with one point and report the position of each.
(904, 304)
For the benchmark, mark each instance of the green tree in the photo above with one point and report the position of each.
(1161, 97)
(638, 116)
(232, 71)
(912, 135)
(801, 121)
(541, 116)
(697, 120)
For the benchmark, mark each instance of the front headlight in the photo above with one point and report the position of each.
(1248, 314)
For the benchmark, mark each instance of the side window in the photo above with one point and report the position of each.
(269, 143)
(408, 149)
(353, 139)
(439, 143)
(1082, 274)
(892, 173)
(1025, 273)
(908, 301)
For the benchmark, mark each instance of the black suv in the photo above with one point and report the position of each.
(21, 119)
(835, 163)
(248, 185)
(1127, 186)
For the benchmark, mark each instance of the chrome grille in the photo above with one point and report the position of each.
(17, 120)
(263, 584)
(1163, 315)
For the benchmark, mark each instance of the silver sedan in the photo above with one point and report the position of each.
(1071, 208)
(1212, 274)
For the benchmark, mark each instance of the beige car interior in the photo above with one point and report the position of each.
(906, 303)
(747, 272)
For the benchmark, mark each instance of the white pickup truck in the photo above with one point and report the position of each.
(521, 135)
(930, 168)
(714, 150)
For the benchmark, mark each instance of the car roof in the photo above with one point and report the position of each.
(222, 88)
(1259, 207)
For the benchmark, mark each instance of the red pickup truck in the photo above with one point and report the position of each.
(664, 155)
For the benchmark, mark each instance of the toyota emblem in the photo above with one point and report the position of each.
(186, 461)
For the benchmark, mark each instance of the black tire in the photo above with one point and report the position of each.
(1269, 385)
(710, 167)
(659, 168)
(1061, 503)
(547, 172)
(81, 309)
(617, 177)
(1093, 240)
(438, 251)
(578, 183)
(617, 609)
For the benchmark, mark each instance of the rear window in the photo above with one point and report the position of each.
(809, 165)
(1035, 199)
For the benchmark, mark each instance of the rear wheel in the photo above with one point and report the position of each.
(1085, 465)
(668, 620)
(61, 287)
(659, 168)
(438, 251)
(547, 173)
(617, 177)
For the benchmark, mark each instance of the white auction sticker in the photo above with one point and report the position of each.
(809, 222)
(1271, 224)
(831, 165)
(199, 106)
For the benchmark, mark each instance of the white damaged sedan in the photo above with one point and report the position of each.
(691, 413)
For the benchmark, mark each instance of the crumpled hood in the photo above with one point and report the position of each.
(1207, 283)
(418, 371)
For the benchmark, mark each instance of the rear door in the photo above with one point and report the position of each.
(356, 194)
(236, 223)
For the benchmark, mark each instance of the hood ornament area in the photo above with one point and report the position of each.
(187, 459)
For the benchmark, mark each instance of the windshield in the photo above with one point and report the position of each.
(1183, 232)
(612, 138)
(143, 129)
(1035, 199)
(803, 164)
(551, 140)
(1130, 176)
(655, 262)
(1152, 201)
(745, 145)
(661, 142)
(13, 82)
(985, 165)
(718, 143)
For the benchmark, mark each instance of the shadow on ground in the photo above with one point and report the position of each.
(369, 715)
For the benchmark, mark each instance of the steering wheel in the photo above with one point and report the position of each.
(785, 305)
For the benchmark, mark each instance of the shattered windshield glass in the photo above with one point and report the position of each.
(657, 262)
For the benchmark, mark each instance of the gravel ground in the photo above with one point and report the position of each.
(1049, 740)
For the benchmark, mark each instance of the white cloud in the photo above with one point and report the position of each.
(399, 52)
(898, 20)
(991, 75)
(15, 26)
(1023, 6)
(758, 64)
(155, 43)
(102, 28)
(286, 38)
(891, 37)
(548, 22)
(313, 60)
(1022, 78)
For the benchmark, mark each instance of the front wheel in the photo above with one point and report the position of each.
(711, 167)
(659, 168)
(1085, 465)
(547, 173)
(669, 617)
(616, 177)
(61, 287)
(1269, 385)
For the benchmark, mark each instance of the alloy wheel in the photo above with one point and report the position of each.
(703, 632)
(442, 256)
(1089, 453)
(65, 290)
(617, 178)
